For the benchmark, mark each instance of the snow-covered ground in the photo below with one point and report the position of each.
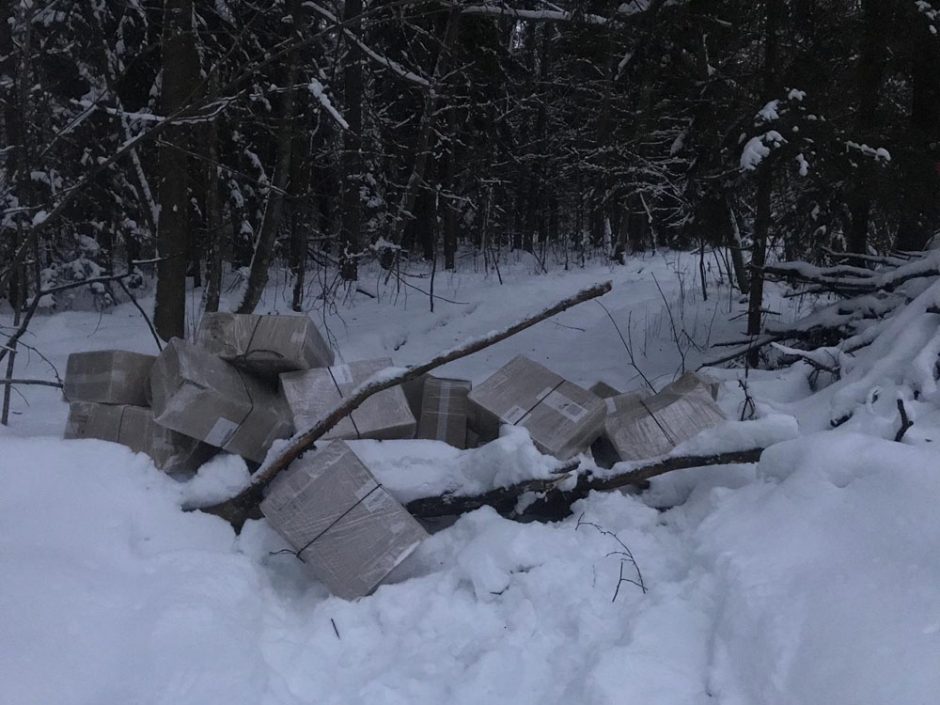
(810, 577)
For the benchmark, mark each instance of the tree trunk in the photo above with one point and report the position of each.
(271, 221)
(870, 70)
(352, 149)
(214, 236)
(426, 126)
(300, 182)
(180, 79)
(450, 205)
(764, 190)
(921, 165)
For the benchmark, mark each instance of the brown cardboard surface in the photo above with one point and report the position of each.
(351, 532)
(561, 417)
(312, 393)
(197, 394)
(264, 345)
(108, 376)
(134, 427)
(444, 411)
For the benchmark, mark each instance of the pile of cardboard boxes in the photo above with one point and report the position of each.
(248, 380)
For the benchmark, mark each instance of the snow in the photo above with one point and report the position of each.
(769, 112)
(809, 577)
(758, 148)
(804, 165)
(319, 92)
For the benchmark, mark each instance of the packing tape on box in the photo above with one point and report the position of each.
(518, 413)
(662, 428)
(364, 500)
(221, 432)
(342, 374)
(250, 349)
(441, 416)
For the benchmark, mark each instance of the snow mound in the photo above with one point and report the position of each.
(825, 576)
(809, 578)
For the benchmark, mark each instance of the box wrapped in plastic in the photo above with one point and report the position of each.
(341, 522)
(444, 411)
(312, 393)
(197, 394)
(134, 427)
(644, 426)
(561, 417)
(108, 377)
(264, 345)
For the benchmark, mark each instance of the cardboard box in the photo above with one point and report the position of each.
(561, 417)
(351, 532)
(134, 427)
(649, 426)
(264, 345)
(108, 377)
(623, 402)
(444, 411)
(605, 455)
(414, 392)
(692, 381)
(197, 394)
(311, 393)
(604, 390)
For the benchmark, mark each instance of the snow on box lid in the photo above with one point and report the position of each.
(108, 376)
(264, 345)
(334, 513)
(312, 393)
(561, 417)
(199, 395)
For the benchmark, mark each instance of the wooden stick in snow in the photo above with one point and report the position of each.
(239, 508)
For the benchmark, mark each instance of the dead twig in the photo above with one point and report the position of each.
(153, 331)
(38, 382)
(628, 344)
(906, 422)
(626, 557)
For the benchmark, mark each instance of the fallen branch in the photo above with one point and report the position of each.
(504, 499)
(237, 509)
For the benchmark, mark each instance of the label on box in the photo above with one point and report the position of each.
(568, 408)
(221, 432)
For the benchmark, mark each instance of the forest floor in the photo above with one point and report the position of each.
(810, 577)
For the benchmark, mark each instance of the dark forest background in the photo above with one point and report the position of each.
(188, 139)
